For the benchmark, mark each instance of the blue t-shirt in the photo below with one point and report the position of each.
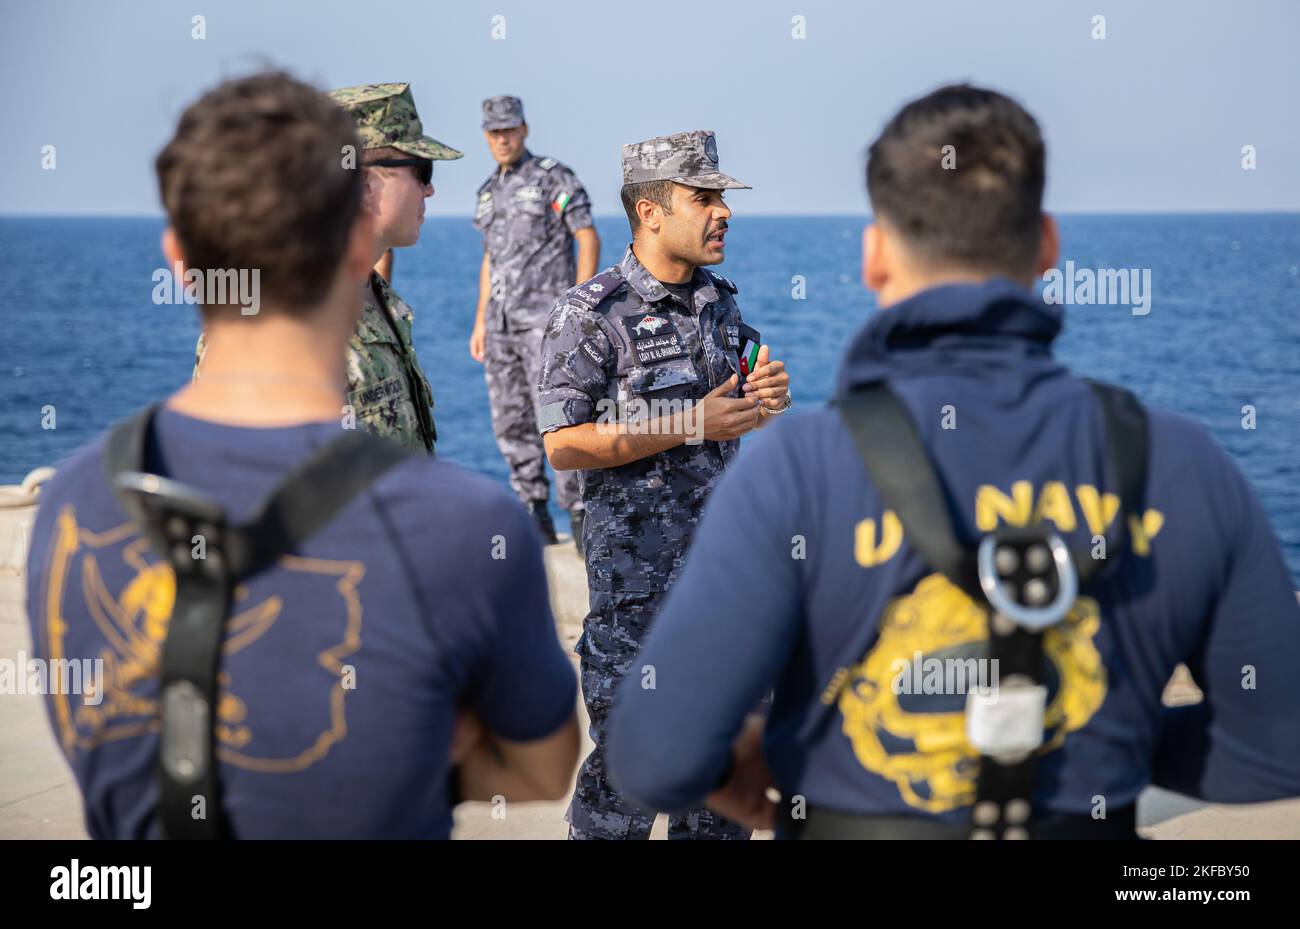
(343, 665)
(800, 581)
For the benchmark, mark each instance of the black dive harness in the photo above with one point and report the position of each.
(1029, 579)
(210, 557)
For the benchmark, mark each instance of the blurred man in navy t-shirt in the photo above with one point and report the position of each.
(801, 580)
(407, 642)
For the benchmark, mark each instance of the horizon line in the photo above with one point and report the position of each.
(815, 215)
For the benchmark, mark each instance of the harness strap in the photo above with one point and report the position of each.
(189, 530)
(904, 476)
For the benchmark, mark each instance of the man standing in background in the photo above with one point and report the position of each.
(530, 211)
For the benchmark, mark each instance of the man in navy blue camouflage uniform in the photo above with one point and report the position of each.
(803, 581)
(640, 393)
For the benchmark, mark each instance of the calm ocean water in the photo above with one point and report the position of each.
(78, 329)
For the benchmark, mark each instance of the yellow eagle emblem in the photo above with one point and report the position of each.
(133, 624)
(918, 740)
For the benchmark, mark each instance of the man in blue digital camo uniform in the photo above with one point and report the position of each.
(641, 392)
(532, 212)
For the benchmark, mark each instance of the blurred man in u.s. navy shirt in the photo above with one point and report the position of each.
(407, 642)
(823, 591)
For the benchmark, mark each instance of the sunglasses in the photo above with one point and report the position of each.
(423, 167)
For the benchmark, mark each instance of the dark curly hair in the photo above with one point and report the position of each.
(257, 177)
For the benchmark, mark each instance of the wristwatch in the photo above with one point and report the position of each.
(789, 401)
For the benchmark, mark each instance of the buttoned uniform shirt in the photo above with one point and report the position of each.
(528, 215)
(386, 385)
(621, 347)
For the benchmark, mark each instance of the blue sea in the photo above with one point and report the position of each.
(80, 332)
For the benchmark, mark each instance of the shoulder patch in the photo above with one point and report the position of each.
(547, 164)
(597, 290)
(722, 281)
(595, 355)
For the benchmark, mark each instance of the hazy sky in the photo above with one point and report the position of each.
(1151, 118)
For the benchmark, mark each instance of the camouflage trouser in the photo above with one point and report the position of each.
(512, 367)
(611, 637)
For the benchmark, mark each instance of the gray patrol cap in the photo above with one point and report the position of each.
(689, 158)
(503, 112)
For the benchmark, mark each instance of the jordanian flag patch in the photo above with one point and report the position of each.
(560, 202)
(748, 352)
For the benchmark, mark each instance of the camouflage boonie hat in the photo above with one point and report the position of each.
(502, 113)
(689, 158)
(386, 118)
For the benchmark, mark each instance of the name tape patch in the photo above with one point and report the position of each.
(385, 390)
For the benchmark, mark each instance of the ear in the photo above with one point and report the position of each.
(370, 191)
(649, 213)
(1049, 245)
(876, 269)
(171, 248)
(524, 135)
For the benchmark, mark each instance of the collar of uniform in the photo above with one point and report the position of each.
(526, 157)
(388, 298)
(649, 288)
(645, 284)
(706, 289)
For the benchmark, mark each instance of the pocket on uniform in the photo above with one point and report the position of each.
(612, 636)
(377, 395)
(603, 653)
(376, 404)
(533, 206)
(664, 389)
(679, 372)
(530, 215)
(615, 630)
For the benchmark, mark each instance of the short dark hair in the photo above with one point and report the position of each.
(975, 205)
(255, 177)
(660, 192)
